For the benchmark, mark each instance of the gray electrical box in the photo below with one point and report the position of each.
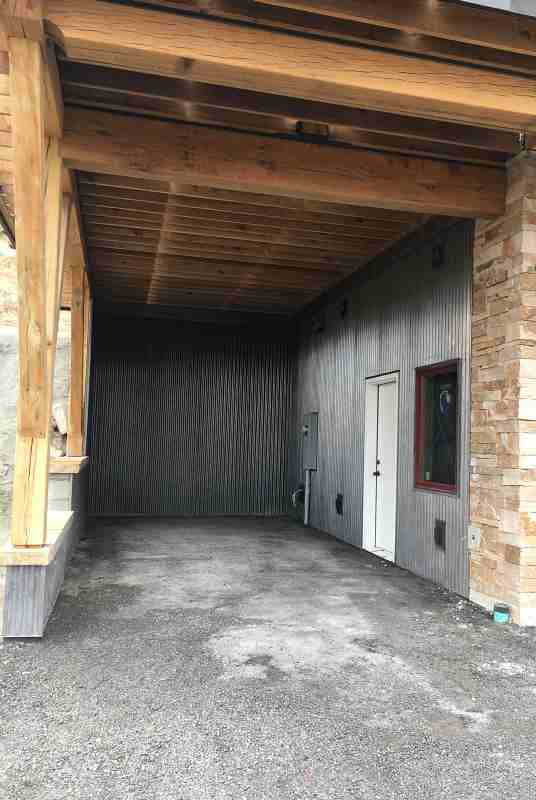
(310, 441)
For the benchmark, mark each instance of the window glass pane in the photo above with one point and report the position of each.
(438, 457)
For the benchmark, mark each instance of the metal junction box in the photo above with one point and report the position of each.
(310, 441)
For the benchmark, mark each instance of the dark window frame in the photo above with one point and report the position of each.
(441, 368)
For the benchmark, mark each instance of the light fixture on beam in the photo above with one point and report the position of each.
(313, 131)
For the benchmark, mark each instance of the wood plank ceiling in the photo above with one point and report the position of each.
(210, 247)
(158, 243)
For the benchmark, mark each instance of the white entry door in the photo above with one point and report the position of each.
(381, 457)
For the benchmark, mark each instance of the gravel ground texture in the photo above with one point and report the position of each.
(224, 659)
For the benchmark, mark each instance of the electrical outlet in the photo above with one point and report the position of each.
(473, 537)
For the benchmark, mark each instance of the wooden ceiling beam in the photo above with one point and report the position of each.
(183, 192)
(120, 82)
(208, 269)
(220, 261)
(239, 244)
(108, 209)
(103, 142)
(97, 187)
(458, 22)
(246, 233)
(258, 123)
(277, 296)
(118, 297)
(237, 255)
(210, 283)
(199, 226)
(333, 27)
(217, 52)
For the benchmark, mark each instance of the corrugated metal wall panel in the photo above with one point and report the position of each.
(408, 316)
(190, 418)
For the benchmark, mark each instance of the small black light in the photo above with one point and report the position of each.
(319, 324)
(438, 256)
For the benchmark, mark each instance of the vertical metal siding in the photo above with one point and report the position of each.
(190, 418)
(408, 316)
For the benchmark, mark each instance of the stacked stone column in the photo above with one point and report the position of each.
(503, 428)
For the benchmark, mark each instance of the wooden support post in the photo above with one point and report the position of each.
(42, 213)
(28, 120)
(75, 438)
(30, 485)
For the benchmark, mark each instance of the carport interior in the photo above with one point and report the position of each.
(233, 169)
(199, 287)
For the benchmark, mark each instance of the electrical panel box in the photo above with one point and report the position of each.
(310, 441)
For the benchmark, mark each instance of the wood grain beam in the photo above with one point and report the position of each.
(110, 210)
(103, 142)
(289, 19)
(22, 19)
(281, 307)
(101, 256)
(216, 52)
(240, 254)
(443, 19)
(154, 88)
(54, 94)
(96, 188)
(178, 229)
(150, 240)
(192, 282)
(206, 271)
(283, 126)
(76, 252)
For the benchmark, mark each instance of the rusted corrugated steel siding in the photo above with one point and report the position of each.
(408, 316)
(190, 418)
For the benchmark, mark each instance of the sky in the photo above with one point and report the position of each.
(521, 6)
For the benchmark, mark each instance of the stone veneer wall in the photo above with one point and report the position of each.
(503, 433)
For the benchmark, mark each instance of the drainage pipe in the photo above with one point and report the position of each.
(307, 499)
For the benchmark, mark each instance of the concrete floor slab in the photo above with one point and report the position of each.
(239, 658)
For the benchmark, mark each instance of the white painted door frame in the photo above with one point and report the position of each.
(371, 483)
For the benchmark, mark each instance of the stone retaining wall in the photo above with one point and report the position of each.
(503, 466)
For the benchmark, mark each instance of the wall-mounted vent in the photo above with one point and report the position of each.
(440, 533)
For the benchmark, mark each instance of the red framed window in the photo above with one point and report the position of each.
(436, 428)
